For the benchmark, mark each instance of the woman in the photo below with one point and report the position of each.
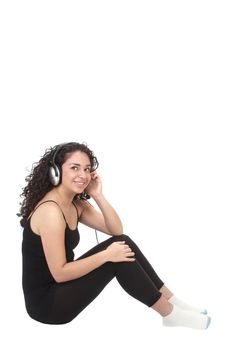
(57, 287)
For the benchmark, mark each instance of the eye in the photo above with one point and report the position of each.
(87, 170)
(75, 168)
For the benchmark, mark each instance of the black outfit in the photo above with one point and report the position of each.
(55, 303)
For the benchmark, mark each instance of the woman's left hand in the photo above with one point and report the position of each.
(94, 188)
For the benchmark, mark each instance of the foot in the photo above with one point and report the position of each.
(175, 301)
(184, 318)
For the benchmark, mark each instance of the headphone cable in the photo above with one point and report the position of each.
(96, 236)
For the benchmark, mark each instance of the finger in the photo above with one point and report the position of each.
(94, 175)
(130, 254)
(120, 242)
(129, 259)
(128, 250)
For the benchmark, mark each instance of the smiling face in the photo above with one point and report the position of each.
(76, 172)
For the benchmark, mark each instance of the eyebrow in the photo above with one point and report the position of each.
(88, 165)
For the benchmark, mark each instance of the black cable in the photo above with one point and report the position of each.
(96, 236)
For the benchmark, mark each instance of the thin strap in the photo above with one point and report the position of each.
(50, 200)
(76, 210)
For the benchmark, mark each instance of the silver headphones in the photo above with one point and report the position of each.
(54, 170)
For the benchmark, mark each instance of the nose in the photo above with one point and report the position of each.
(81, 173)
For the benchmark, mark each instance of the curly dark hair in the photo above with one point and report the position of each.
(38, 182)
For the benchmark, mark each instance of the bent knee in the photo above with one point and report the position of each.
(122, 237)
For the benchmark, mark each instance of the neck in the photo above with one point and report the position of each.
(63, 197)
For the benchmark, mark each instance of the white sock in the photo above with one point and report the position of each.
(183, 318)
(175, 301)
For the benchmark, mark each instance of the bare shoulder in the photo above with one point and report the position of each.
(46, 218)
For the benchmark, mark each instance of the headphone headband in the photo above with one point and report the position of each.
(56, 150)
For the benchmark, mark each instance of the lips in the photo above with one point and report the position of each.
(80, 183)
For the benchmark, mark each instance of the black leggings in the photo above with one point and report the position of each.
(137, 278)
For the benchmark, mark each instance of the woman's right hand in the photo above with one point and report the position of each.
(119, 252)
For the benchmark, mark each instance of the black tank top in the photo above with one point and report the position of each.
(36, 274)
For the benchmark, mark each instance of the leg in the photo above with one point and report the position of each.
(70, 298)
(162, 306)
(156, 280)
(148, 268)
(166, 292)
(166, 304)
(143, 262)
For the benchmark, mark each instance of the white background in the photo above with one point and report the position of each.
(147, 84)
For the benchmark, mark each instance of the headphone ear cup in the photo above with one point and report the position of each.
(54, 175)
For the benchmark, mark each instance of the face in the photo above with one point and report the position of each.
(76, 172)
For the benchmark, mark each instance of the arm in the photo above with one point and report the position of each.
(107, 220)
(51, 229)
(79, 268)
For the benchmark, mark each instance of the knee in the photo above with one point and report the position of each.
(125, 237)
(122, 237)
